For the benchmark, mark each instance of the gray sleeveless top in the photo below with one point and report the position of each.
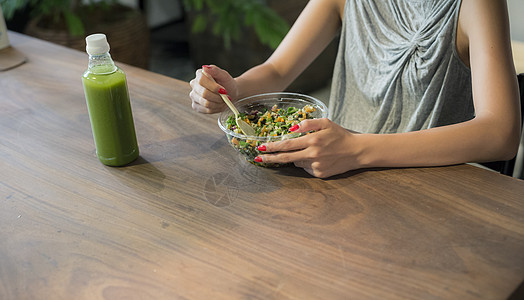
(397, 68)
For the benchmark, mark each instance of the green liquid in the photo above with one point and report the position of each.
(111, 117)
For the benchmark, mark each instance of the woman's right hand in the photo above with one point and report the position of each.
(205, 96)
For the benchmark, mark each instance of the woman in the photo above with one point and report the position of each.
(425, 83)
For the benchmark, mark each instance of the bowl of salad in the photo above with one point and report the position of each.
(271, 115)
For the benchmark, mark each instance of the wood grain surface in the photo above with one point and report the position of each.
(190, 219)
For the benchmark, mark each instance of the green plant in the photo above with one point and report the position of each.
(229, 17)
(57, 12)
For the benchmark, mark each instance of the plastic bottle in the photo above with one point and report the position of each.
(107, 98)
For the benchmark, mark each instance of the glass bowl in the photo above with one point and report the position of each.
(247, 145)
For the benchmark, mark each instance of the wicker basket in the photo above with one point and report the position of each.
(128, 37)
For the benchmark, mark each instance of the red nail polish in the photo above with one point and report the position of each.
(206, 66)
(222, 91)
(258, 159)
(294, 128)
(262, 148)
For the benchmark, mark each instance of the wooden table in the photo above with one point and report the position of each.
(192, 220)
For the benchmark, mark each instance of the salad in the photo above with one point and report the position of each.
(270, 123)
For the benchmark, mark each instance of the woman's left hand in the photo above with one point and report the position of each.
(329, 150)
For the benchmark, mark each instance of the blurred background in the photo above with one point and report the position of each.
(176, 37)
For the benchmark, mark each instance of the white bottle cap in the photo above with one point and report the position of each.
(97, 44)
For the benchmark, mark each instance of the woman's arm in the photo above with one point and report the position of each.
(314, 29)
(495, 131)
(492, 135)
(312, 32)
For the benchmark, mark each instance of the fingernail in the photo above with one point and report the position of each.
(294, 128)
(258, 159)
(222, 91)
(262, 148)
(206, 66)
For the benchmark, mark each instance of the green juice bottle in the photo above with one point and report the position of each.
(107, 98)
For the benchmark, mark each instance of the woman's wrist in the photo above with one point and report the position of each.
(364, 150)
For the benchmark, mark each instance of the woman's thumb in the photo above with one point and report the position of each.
(219, 75)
